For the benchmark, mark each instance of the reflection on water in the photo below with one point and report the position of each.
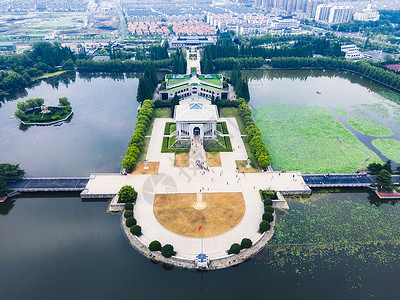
(94, 140)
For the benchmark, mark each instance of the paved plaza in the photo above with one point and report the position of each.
(193, 180)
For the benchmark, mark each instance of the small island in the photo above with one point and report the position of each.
(35, 112)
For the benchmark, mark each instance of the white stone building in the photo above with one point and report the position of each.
(196, 117)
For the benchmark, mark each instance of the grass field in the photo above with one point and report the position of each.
(164, 112)
(388, 147)
(310, 139)
(176, 213)
(231, 112)
(48, 75)
(369, 127)
(145, 148)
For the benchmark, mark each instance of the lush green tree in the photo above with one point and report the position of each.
(263, 160)
(388, 166)
(168, 250)
(155, 246)
(374, 168)
(384, 179)
(246, 243)
(127, 194)
(234, 249)
(128, 162)
(64, 101)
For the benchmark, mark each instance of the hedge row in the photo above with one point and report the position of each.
(165, 149)
(254, 135)
(166, 250)
(224, 127)
(144, 117)
(267, 217)
(167, 127)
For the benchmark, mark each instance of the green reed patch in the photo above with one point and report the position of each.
(390, 148)
(369, 127)
(310, 139)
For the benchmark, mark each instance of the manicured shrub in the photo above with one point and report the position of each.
(168, 250)
(234, 249)
(155, 246)
(267, 216)
(128, 206)
(128, 213)
(127, 194)
(268, 208)
(264, 226)
(267, 202)
(136, 230)
(130, 222)
(246, 243)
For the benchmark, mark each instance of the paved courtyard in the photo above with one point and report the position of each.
(194, 180)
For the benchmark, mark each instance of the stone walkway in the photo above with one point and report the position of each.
(197, 153)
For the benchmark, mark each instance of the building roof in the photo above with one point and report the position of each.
(196, 112)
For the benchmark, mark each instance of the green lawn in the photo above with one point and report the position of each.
(178, 87)
(250, 154)
(210, 87)
(369, 127)
(48, 75)
(390, 148)
(163, 112)
(310, 139)
(231, 112)
(150, 128)
(143, 153)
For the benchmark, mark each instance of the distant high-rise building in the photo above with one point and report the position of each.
(292, 6)
(333, 14)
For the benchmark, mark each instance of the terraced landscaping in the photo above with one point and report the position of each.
(310, 139)
(369, 127)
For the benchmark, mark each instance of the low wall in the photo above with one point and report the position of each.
(216, 263)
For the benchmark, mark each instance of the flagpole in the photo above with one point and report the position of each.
(202, 238)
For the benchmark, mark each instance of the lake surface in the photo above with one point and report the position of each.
(56, 246)
(342, 94)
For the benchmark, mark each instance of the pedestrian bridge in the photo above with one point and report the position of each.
(62, 184)
(338, 180)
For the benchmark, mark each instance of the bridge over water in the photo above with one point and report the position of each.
(79, 184)
(63, 184)
(338, 180)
